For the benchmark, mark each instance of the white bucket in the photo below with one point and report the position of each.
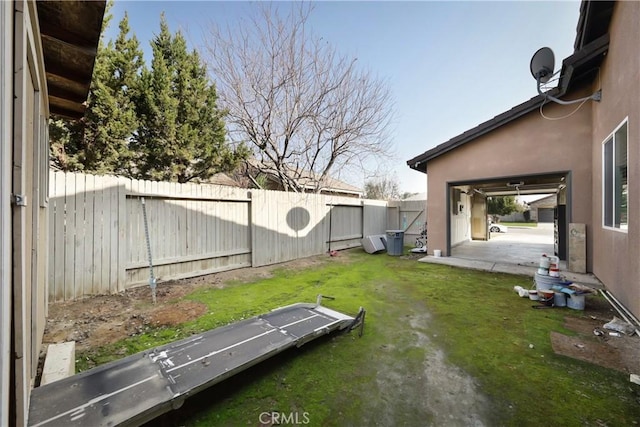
(545, 282)
(522, 292)
(554, 266)
(575, 302)
(560, 299)
(533, 295)
(543, 271)
(437, 253)
(545, 262)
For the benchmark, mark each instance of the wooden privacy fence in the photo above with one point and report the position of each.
(97, 239)
(408, 215)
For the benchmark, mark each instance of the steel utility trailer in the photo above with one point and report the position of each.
(138, 388)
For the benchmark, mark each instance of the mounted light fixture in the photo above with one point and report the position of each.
(541, 67)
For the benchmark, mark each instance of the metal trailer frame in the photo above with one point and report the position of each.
(139, 388)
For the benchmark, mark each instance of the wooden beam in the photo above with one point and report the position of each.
(66, 82)
(81, 49)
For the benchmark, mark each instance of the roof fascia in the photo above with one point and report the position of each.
(569, 65)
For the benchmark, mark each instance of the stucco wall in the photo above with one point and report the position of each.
(616, 254)
(528, 146)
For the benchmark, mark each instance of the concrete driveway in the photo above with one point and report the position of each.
(520, 245)
(518, 252)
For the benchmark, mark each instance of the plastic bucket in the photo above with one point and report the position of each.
(545, 262)
(543, 271)
(575, 302)
(546, 297)
(437, 253)
(560, 299)
(521, 291)
(533, 295)
(546, 282)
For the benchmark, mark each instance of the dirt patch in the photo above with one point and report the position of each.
(594, 344)
(176, 314)
(418, 386)
(454, 396)
(97, 321)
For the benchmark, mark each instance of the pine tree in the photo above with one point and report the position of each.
(99, 142)
(111, 119)
(182, 132)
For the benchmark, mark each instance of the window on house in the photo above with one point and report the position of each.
(614, 180)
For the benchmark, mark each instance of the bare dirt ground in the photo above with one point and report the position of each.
(594, 344)
(97, 321)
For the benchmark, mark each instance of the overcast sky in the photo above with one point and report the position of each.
(450, 65)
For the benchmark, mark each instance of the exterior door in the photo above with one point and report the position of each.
(479, 229)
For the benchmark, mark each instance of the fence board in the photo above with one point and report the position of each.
(117, 232)
(89, 283)
(58, 237)
(80, 234)
(410, 216)
(98, 238)
(69, 238)
(99, 246)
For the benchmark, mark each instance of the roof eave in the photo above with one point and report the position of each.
(70, 33)
(574, 68)
(419, 163)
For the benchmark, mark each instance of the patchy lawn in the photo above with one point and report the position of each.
(520, 224)
(442, 346)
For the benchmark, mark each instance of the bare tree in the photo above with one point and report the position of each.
(382, 188)
(307, 110)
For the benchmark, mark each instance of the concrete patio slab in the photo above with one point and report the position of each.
(515, 252)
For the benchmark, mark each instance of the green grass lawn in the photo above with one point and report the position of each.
(415, 312)
(520, 224)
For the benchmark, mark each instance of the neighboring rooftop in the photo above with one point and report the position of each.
(418, 196)
(306, 179)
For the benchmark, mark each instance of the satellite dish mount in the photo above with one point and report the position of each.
(541, 67)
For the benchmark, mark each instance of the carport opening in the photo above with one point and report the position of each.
(480, 231)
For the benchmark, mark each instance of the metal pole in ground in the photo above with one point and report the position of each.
(152, 279)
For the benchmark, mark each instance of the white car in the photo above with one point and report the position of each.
(498, 228)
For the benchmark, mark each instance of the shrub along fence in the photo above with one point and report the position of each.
(98, 244)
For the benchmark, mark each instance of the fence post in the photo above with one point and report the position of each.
(122, 232)
(252, 226)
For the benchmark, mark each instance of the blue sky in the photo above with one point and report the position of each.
(450, 65)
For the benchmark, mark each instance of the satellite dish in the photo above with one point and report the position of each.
(541, 67)
(542, 64)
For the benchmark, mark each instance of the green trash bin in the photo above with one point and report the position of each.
(395, 242)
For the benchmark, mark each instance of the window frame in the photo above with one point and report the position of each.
(609, 179)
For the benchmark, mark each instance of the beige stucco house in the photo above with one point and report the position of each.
(542, 210)
(590, 159)
(47, 51)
